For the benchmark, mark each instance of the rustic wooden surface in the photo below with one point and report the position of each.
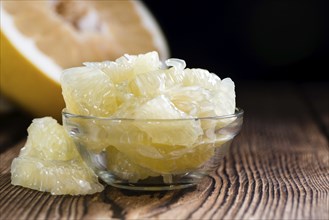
(277, 168)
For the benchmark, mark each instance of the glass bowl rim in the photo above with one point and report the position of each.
(238, 113)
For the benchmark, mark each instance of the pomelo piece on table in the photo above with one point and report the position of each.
(56, 177)
(50, 162)
(41, 38)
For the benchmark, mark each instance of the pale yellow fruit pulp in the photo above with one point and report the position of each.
(50, 162)
(157, 104)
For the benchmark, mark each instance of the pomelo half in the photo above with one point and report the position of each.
(41, 38)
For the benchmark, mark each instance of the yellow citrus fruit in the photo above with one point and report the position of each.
(41, 38)
(50, 162)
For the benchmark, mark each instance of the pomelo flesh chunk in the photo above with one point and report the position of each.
(50, 162)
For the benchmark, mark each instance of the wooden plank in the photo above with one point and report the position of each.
(277, 168)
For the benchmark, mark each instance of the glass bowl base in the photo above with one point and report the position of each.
(178, 181)
(141, 187)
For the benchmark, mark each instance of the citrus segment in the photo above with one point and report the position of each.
(93, 94)
(50, 162)
(155, 83)
(57, 177)
(201, 77)
(224, 97)
(122, 166)
(168, 159)
(175, 132)
(149, 84)
(127, 67)
(193, 100)
(48, 140)
(99, 135)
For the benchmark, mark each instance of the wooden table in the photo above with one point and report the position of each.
(277, 168)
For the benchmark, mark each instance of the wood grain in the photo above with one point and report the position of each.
(277, 168)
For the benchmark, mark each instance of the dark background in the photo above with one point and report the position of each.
(249, 40)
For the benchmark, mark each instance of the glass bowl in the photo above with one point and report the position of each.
(153, 154)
